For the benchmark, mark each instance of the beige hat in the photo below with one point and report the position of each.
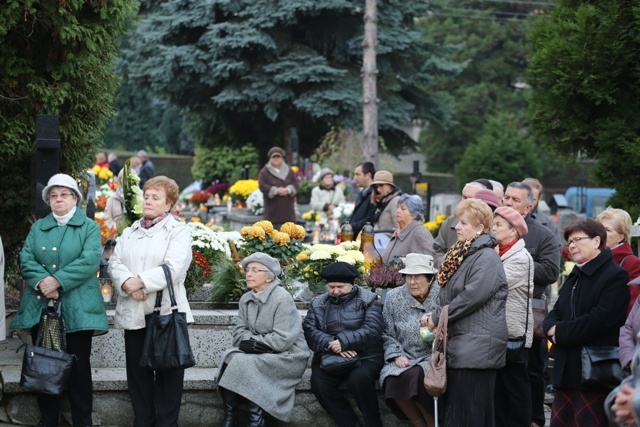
(61, 180)
(383, 177)
(418, 264)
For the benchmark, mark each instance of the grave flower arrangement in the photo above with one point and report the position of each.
(241, 190)
(208, 248)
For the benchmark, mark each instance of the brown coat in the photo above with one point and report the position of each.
(278, 209)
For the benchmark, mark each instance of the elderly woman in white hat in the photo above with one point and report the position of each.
(326, 196)
(513, 392)
(267, 314)
(59, 261)
(406, 350)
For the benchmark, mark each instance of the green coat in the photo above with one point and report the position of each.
(72, 255)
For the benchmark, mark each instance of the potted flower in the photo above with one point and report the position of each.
(208, 249)
(241, 190)
(255, 203)
(434, 226)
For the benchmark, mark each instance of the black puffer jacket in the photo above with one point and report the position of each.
(354, 318)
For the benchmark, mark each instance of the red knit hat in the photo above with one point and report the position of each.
(514, 218)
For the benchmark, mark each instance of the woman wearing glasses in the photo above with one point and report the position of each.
(59, 261)
(590, 310)
(266, 381)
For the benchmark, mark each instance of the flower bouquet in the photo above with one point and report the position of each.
(103, 174)
(208, 248)
(241, 190)
(311, 261)
(132, 197)
(255, 203)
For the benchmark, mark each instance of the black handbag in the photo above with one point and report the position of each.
(601, 366)
(166, 343)
(334, 364)
(539, 310)
(45, 365)
(252, 346)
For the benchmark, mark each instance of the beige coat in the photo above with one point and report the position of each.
(518, 267)
(141, 252)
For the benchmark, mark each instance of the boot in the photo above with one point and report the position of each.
(230, 411)
(256, 415)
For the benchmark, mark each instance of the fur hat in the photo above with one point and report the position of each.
(489, 197)
(269, 262)
(418, 264)
(340, 272)
(383, 177)
(514, 218)
(61, 180)
(274, 150)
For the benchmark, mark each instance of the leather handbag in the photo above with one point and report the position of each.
(166, 343)
(334, 364)
(435, 379)
(45, 365)
(252, 346)
(601, 366)
(539, 310)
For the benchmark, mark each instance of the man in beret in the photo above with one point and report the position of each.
(346, 320)
(279, 186)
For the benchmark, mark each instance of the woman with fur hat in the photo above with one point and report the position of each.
(347, 320)
(513, 392)
(279, 185)
(326, 196)
(267, 314)
(406, 354)
(59, 261)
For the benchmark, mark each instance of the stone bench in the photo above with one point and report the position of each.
(210, 335)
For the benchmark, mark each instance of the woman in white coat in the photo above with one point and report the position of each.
(135, 268)
(513, 392)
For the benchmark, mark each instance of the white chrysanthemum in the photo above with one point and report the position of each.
(320, 247)
(255, 202)
(205, 238)
(346, 258)
(318, 255)
(338, 251)
(356, 255)
(350, 246)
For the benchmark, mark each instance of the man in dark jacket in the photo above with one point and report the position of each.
(347, 321)
(364, 210)
(544, 248)
(147, 171)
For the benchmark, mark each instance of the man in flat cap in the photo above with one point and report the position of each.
(346, 320)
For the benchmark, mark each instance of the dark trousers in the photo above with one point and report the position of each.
(361, 382)
(513, 395)
(79, 388)
(469, 398)
(535, 369)
(155, 395)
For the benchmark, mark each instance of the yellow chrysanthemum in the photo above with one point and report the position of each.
(295, 169)
(431, 225)
(303, 256)
(281, 238)
(257, 233)
(267, 226)
(440, 218)
(244, 231)
(195, 219)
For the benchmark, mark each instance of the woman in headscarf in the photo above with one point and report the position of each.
(60, 260)
(267, 381)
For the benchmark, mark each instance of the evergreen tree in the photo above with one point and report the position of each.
(491, 39)
(246, 71)
(55, 58)
(585, 76)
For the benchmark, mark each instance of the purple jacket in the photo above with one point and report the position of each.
(628, 334)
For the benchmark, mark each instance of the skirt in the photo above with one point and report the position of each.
(408, 385)
(578, 408)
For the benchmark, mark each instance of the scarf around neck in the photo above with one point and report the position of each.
(502, 249)
(452, 260)
(148, 223)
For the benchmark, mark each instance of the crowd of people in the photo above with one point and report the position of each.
(491, 262)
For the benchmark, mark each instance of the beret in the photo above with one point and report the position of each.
(341, 272)
(269, 262)
(489, 197)
(514, 218)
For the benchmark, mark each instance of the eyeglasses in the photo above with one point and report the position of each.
(576, 240)
(254, 271)
(61, 195)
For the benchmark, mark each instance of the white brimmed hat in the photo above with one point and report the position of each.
(418, 264)
(61, 180)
